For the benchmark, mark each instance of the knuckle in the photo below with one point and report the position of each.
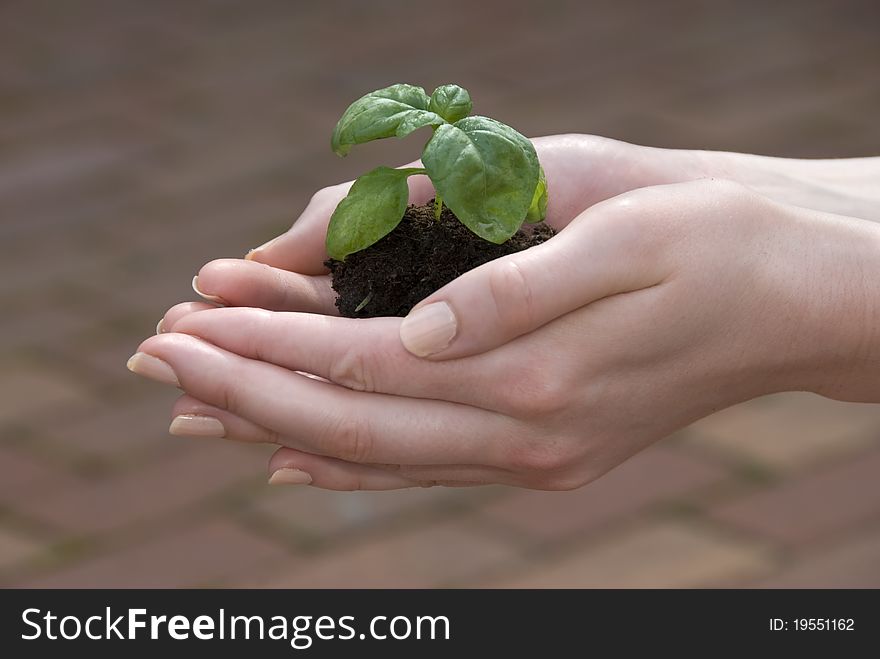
(540, 392)
(627, 223)
(272, 437)
(542, 459)
(630, 204)
(740, 202)
(535, 403)
(512, 296)
(352, 370)
(720, 187)
(226, 393)
(350, 438)
(260, 324)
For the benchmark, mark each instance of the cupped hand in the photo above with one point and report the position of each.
(665, 304)
(288, 272)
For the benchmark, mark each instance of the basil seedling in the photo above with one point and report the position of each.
(485, 172)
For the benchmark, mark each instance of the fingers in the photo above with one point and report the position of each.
(611, 248)
(193, 418)
(236, 282)
(324, 418)
(332, 474)
(178, 311)
(286, 465)
(301, 249)
(359, 354)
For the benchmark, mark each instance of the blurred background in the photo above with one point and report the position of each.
(139, 140)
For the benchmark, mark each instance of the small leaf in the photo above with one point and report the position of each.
(394, 111)
(375, 204)
(364, 302)
(451, 102)
(538, 209)
(486, 173)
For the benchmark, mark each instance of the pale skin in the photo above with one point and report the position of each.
(680, 283)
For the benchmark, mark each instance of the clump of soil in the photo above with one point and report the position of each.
(419, 257)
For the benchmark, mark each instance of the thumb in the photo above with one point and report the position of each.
(301, 248)
(605, 250)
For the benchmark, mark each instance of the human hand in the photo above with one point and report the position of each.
(581, 170)
(647, 312)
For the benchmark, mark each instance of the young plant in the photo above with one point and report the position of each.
(485, 172)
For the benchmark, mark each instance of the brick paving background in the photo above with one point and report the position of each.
(139, 140)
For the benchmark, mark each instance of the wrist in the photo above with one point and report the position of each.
(846, 186)
(842, 322)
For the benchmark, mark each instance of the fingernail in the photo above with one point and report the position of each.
(196, 425)
(210, 298)
(160, 326)
(429, 329)
(153, 368)
(287, 476)
(256, 250)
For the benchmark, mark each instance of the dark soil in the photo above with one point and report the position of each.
(420, 256)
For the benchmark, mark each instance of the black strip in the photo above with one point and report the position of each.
(545, 623)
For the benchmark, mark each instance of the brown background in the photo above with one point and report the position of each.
(141, 139)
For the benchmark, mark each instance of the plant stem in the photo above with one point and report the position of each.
(438, 206)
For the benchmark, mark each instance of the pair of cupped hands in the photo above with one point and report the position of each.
(679, 283)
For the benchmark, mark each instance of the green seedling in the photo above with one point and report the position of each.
(485, 172)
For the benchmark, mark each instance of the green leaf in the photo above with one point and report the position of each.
(451, 102)
(486, 173)
(375, 204)
(538, 210)
(394, 111)
(364, 302)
